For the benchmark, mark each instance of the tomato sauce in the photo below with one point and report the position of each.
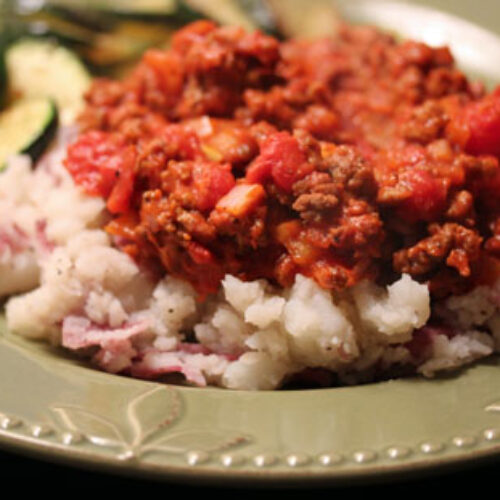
(349, 158)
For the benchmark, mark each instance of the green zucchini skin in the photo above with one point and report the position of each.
(174, 11)
(3, 78)
(27, 127)
(5, 39)
(42, 142)
(38, 67)
(222, 12)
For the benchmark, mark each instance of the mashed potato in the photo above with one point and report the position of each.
(86, 295)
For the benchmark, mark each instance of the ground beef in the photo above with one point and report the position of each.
(450, 244)
(426, 123)
(343, 159)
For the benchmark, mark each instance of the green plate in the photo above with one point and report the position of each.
(57, 408)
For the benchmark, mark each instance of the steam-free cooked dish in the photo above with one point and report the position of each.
(247, 212)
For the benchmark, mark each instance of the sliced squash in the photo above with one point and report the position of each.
(125, 7)
(27, 127)
(42, 68)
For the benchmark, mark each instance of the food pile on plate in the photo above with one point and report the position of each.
(246, 212)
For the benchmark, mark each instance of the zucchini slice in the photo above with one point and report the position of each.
(296, 18)
(126, 42)
(41, 68)
(125, 8)
(27, 127)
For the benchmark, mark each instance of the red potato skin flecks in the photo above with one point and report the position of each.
(341, 159)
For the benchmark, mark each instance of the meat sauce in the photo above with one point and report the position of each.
(342, 159)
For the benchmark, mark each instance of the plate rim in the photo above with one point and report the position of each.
(21, 435)
(247, 477)
(15, 438)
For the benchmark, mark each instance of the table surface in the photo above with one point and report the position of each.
(15, 468)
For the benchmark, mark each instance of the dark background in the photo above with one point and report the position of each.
(18, 471)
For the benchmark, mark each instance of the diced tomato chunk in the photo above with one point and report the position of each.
(166, 65)
(259, 171)
(427, 196)
(199, 254)
(281, 160)
(477, 127)
(119, 199)
(180, 141)
(90, 162)
(103, 165)
(211, 182)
